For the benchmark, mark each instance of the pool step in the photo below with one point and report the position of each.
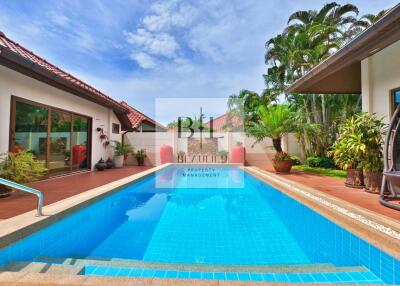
(293, 268)
(344, 277)
(41, 267)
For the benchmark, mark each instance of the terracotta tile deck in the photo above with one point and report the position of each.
(335, 187)
(62, 187)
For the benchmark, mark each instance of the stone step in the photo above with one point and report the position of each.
(41, 267)
(292, 268)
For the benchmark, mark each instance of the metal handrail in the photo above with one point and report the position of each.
(28, 190)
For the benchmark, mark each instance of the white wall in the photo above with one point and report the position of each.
(259, 154)
(14, 83)
(380, 74)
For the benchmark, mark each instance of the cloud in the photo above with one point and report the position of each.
(144, 60)
(168, 15)
(158, 44)
(59, 19)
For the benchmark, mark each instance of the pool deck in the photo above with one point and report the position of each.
(60, 188)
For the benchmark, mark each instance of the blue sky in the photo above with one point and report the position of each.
(140, 50)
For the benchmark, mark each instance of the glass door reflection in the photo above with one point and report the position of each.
(80, 150)
(60, 142)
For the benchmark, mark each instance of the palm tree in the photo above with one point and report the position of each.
(274, 122)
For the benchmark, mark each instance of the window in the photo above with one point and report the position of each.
(58, 137)
(115, 128)
(395, 100)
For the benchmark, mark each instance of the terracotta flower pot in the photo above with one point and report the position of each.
(373, 181)
(140, 161)
(283, 166)
(355, 178)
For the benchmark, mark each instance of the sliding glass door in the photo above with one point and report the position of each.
(60, 138)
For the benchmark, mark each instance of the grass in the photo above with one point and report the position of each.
(321, 171)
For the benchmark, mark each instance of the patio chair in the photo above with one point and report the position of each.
(390, 190)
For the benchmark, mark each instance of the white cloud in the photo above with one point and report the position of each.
(168, 15)
(158, 44)
(59, 19)
(144, 60)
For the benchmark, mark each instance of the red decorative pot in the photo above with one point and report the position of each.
(238, 155)
(166, 154)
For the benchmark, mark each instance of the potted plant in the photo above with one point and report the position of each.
(282, 162)
(140, 155)
(181, 156)
(121, 152)
(373, 131)
(348, 151)
(275, 121)
(224, 155)
(21, 167)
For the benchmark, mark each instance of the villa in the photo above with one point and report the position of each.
(220, 206)
(39, 101)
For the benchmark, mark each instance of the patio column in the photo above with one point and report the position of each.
(367, 85)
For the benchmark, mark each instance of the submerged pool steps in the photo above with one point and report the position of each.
(42, 267)
(290, 268)
(308, 273)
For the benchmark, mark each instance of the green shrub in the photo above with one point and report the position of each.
(21, 167)
(320, 162)
(296, 160)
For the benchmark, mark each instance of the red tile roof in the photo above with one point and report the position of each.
(10, 45)
(136, 117)
(219, 123)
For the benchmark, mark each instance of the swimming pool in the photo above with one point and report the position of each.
(208, 222)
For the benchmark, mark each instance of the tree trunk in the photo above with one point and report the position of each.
(324, 111)
(277, 143)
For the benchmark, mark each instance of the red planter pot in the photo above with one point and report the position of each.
(166, 154)
(238, 155)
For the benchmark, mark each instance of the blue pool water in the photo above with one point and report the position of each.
(205, 215)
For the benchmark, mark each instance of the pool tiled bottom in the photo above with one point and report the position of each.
(356, 277)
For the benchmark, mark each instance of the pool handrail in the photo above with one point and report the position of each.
(28, 190)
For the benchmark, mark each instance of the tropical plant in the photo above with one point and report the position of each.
(140, 154)
(311, 37)
(359, 144)
(21, 167)
(373, 130)
(348, 150)
(282, 156)
(274, 122)
(223, 153)
(121, 149)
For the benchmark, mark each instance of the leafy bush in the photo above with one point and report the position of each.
(320, 162)
(281, 156)
(296, 160)
(140, 154)
(122, 149)
(21, 167)
(359, 144)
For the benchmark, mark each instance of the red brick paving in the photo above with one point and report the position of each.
(60, 188)
(335, 187)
